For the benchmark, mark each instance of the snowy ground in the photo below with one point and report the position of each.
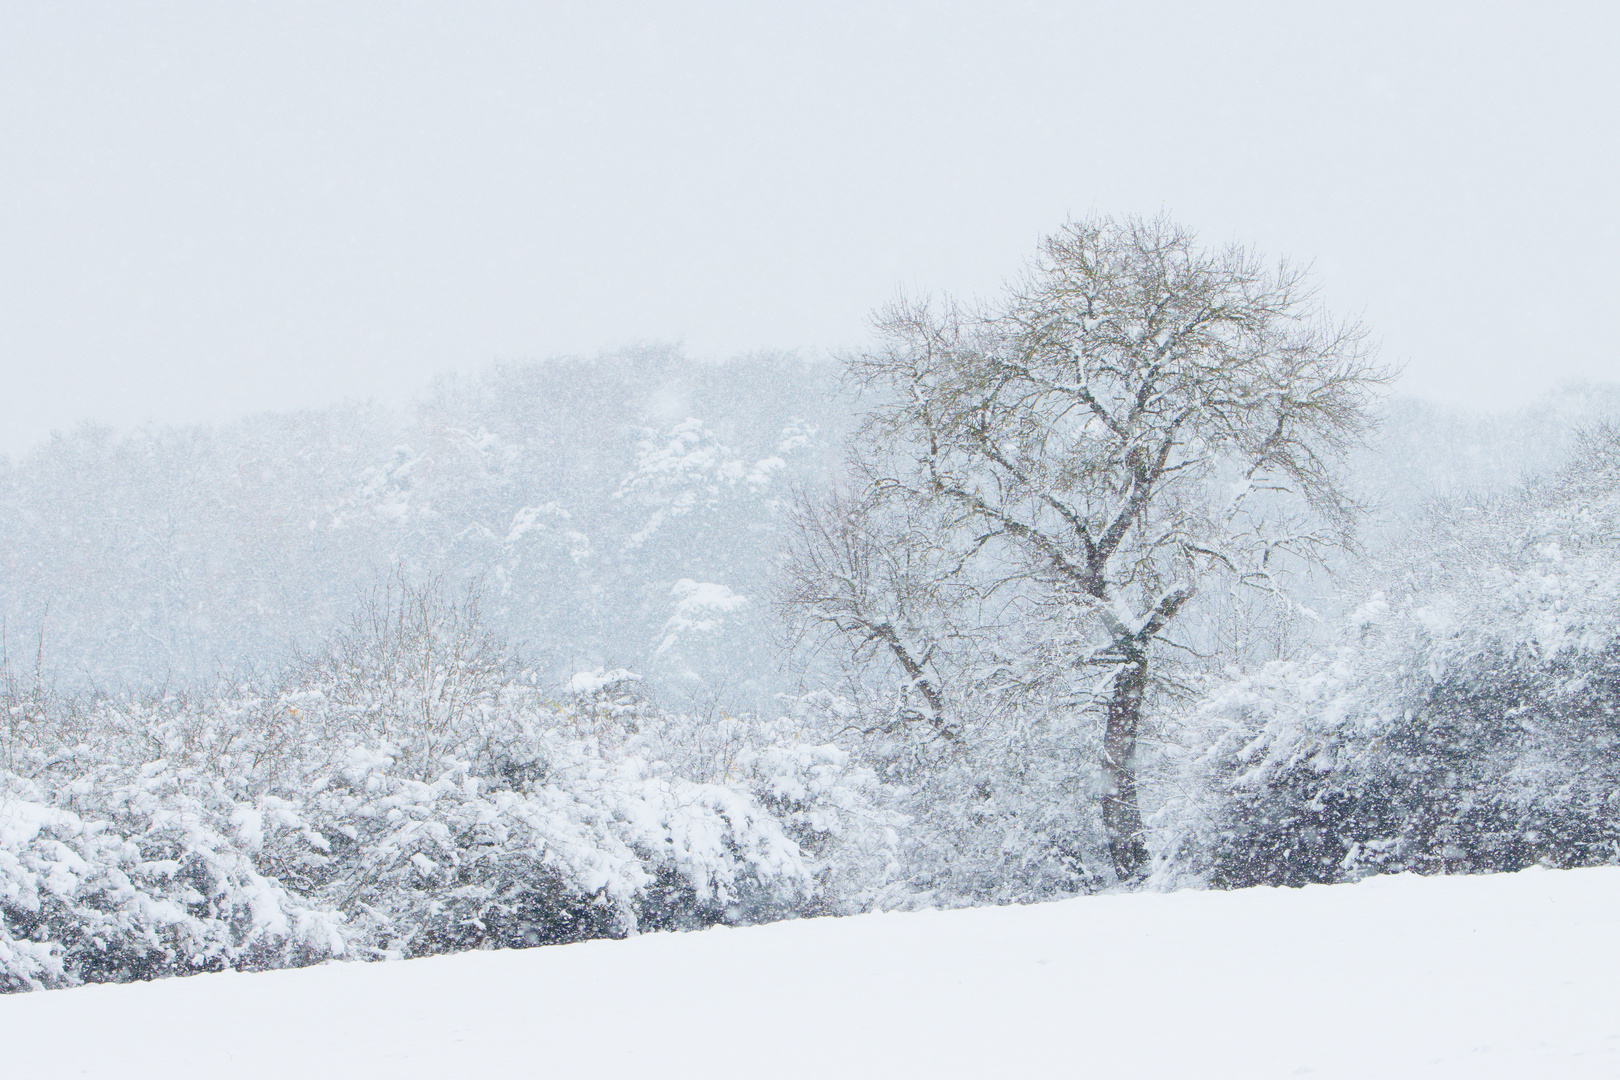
(1508, 976)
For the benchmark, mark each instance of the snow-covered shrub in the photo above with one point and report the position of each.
(156, 875)
(826, 803)
(1470, 722)
(829, 803)
(544, 832)
(1267, 787)
(388, 798)
(1011, 821)
(592, 846)
(1006, 815)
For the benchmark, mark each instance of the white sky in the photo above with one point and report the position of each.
(217, 209)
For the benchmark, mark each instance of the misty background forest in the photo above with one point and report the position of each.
(595, 645)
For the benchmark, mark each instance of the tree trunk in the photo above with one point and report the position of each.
(1122, 817)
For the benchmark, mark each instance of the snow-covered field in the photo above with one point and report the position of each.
(1507, 976)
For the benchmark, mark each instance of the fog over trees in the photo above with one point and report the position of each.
(1131, 577)
(577, 495)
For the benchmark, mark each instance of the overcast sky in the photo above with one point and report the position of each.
(217, 209)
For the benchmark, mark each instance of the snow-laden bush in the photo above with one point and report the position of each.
(1470, 721)
(827, 802)
(592, 847)
(406, 792)
(161, 879)
(1008, 815)
(535, 836)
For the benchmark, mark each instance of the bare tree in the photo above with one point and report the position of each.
(1137, 418)
(874, 584)
(416, 667)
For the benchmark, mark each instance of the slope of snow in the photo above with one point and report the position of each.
(1507, 976)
